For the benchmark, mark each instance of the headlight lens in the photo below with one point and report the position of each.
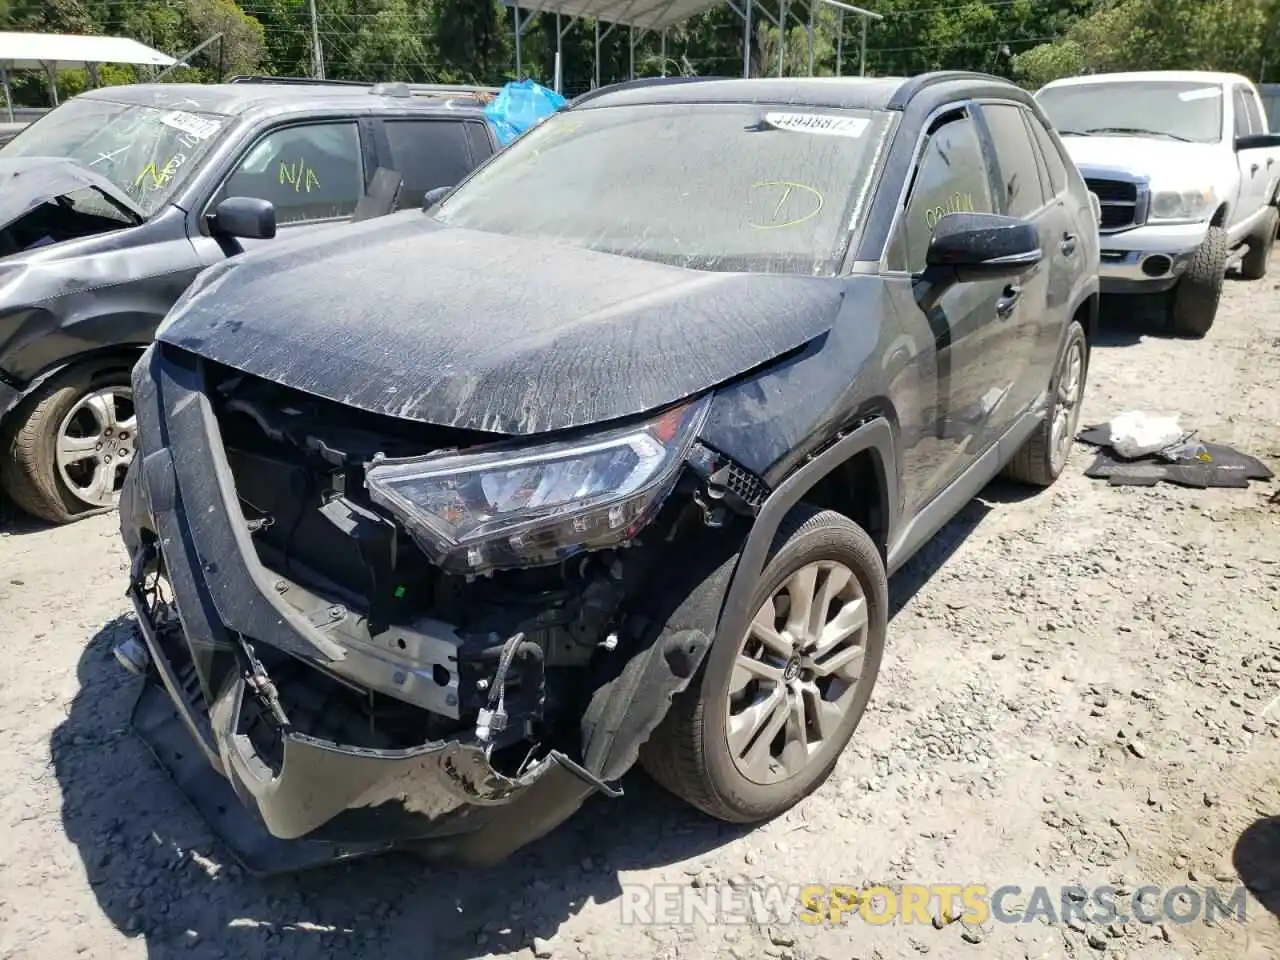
(518, 506)
(1195, 204)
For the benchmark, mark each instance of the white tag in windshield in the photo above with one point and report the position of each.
(202, 128)
(826, 124)
(1204, 93)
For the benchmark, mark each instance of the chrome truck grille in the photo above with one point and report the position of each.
(1124, 202)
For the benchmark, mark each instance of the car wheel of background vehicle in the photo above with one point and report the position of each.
(66, 448)
(765, 721)
(1254, 265)
(1195, 298)
(1042, 458)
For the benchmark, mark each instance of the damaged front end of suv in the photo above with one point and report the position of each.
(375, 647)
(433, 520)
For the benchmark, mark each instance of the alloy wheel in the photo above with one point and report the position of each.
(1066, 410)
(797, 672)
(95, 445)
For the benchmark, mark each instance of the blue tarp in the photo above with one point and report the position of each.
(519, 106)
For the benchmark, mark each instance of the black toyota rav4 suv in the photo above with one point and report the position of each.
(439, 524)
(113, 202)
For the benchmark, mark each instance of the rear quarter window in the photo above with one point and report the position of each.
(428, 154)
(1020, 187)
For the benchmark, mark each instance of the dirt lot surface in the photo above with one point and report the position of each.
(1080, 688)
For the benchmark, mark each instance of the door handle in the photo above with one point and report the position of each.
(1270, 161)
(1068, 243)
(1254, 168)
(1008, 300)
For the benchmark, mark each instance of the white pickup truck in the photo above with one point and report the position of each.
(1188, 175)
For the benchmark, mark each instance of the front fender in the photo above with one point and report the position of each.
(876, 436)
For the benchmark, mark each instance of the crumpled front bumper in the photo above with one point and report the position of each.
(323, 800)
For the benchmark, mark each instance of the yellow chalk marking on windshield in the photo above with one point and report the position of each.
(160, 175)
(789, 188)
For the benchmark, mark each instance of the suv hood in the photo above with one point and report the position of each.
(1145, 156)
(406, 317)
(28, 182)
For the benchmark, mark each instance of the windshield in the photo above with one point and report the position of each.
(720, 187)
(146, 152)
(1173, 111)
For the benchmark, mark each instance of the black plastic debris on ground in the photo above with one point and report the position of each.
(1187, 463)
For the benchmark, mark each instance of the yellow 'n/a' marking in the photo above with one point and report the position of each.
(299, 175)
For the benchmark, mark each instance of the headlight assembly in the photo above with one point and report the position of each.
(525, 505)
(1191, 205)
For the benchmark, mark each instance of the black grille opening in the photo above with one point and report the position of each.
(1113, 217)
(1114, 191)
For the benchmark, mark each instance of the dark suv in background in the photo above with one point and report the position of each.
(113, 202)
(681, 377)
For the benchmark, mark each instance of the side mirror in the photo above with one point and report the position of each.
(432, 197)
(1258, 141)
(968, 247)
(246, 218)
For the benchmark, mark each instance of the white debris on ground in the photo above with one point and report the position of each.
(1080, 688)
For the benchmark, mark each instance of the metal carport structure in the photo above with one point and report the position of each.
(657, 16)
(51, 52)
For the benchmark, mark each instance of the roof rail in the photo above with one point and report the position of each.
(913, 85)
(461, 91)
(296, 81)
(639, 83)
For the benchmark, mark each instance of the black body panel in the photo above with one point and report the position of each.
(579, 338)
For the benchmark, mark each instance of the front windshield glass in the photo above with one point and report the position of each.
(719, 187)
(1149, 108)
(147, 152)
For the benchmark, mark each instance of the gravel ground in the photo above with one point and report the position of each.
(1078, 689)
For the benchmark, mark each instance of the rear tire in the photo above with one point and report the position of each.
(1195, 298)
(690, 753)
(1043, 457)
(85, 410)
(1254, 265)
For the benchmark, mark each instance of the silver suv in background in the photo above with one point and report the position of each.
(1187, 172)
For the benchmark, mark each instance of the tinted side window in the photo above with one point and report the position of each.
(1242, 112)
(481, 145)
(428, 154)
(1054, 163)
(1254, 113)
(308, 172)
(950, 177)
(1019, 173)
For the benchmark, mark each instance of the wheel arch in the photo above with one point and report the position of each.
(125, 354)
(865, 455)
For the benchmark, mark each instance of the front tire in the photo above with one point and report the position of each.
(1043, 457)
(1196, 297)
(767, 718)
(67, 446)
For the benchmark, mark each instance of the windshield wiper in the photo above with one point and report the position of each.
(1138, 131)
(1072, 133)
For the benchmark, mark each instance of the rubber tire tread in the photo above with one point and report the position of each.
(1196, 297)
(28, 474)
(674, 755)
(1033, 463)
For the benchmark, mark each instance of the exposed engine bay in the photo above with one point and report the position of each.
(490, 676)
(84, 212)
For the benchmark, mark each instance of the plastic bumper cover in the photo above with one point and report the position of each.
(1131, 258)
(323, 800)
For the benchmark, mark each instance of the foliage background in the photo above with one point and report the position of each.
(1032, 41)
